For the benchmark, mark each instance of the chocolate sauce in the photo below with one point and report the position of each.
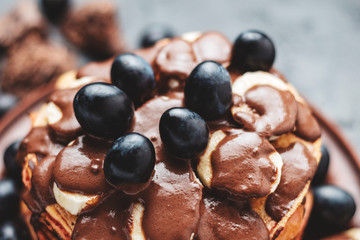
(224, 219)
(176, 59)
(173, 197)
(174, 206)
(241, 165)
(75, 164)
(147, 117)
(67, 128)
(109, 220)
(299, 167)
(41, 194)
(212, 46)
(38, 141)
(277, 109)
(306, 125)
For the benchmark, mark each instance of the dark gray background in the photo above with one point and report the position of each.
(317, 42)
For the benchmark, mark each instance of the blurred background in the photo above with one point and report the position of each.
(317, 42)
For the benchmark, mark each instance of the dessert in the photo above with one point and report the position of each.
(249, 182)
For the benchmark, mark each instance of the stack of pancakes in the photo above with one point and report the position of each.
(251, 182)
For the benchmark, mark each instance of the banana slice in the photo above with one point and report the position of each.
(72, 202)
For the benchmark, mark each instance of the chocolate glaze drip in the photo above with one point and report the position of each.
(79, 166)
(148, 116)
(38, 141)
(299, 167)
(67, 128)
(241, 165)
(173, 197)
(41, 194)
(110, 220)
(223, 219)
(275, 114)
(306, 125)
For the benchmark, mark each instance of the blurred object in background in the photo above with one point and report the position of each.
(31, 59)
(93, 28)
(33, 62)
(34, 52)
(25, 18)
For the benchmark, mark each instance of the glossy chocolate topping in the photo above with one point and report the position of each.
(223, 219)
(38, 141)
(41, 186)
(275, 111)
(173, 197)
(212, 46)
(299, 167)
(110, 220)
(174, 206)
(276, 108)
(241, 165)
(79, 166)
(67, 128)
(172, 58)
(172, 201)
(175, 60)
(306, 125)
